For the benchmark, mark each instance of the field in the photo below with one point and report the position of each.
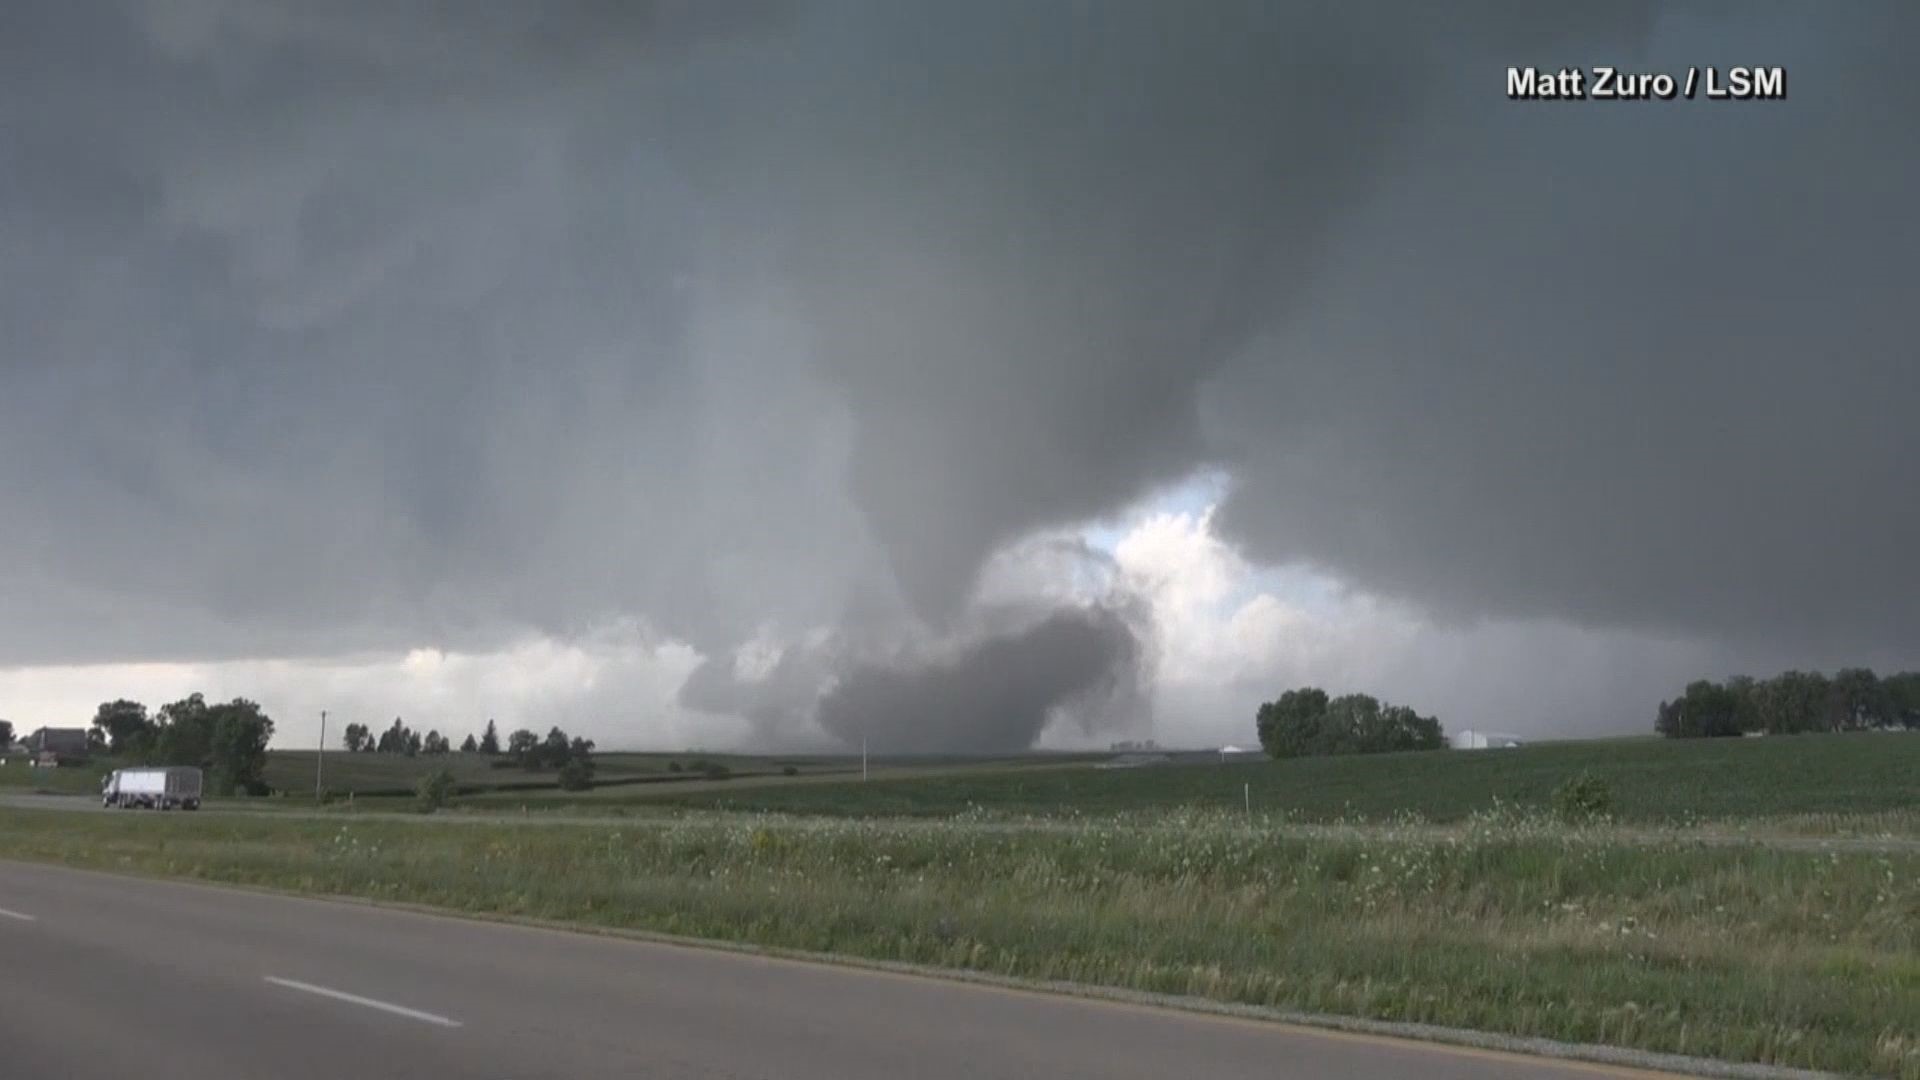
(17, 775)
(1753, 900)
(1653, 781)
(292, 771)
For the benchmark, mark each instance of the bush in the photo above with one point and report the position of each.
(1585, 797)
(673, 766)
(715, 771)
(434, 790)
(789, 770)
(576, 775)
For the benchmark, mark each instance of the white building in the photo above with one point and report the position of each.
(1470, 739)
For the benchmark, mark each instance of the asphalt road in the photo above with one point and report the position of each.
(104, 976)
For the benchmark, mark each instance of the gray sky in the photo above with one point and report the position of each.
(670, 335)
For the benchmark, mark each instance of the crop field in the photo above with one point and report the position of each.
(1653, 781)
(292, 771)
(1505, 923)
(753, 774)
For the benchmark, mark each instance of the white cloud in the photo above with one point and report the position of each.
(615, 686)
(1232, 634)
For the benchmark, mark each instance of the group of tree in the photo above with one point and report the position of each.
(398, 739)
(228, 740)
(573, 757)
(1307, 723)
(1792, 703)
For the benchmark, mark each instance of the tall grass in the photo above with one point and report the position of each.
(1504, 923)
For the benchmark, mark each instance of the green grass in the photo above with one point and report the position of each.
(1652, 781)
(17, 775)
(377, 775)
(752, 773)
(1595, 935)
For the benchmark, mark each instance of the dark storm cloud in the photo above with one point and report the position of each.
(1643, 365)
(331, 327)
(994, 693)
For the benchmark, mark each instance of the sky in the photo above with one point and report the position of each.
(786, 374)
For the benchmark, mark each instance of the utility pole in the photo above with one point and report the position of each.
(320, 759)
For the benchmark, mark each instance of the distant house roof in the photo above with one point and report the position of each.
(58, 741)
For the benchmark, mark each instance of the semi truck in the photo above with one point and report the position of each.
(174, 787)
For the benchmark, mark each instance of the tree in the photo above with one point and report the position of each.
(554, 749)
(435, 789)
(469, 746)
(6, 735)
(358, 739)
(1706, 710)
(1290, 726)
(1859, 700)
(229, 741)
(398, 739)
(1304, 722)
(490, 742)
(521, 746)
(1746, 700)
(239, 735)
(1903, 697)
(576, 774)
(125, 726)
(434, 744)
(185, 735)
(1793, 702)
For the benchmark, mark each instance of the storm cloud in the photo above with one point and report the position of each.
(364, 327)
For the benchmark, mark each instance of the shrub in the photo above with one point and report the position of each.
(715, 771)
(1583, 798)
(576, 775)
(434, 790)
(789, 770)
(673, 766)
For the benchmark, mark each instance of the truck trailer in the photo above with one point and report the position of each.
(174, 787)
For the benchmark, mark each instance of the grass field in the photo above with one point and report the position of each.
(754, 775)
(17, 775)
(292, 772)
(1652, 780)
(1746, 953)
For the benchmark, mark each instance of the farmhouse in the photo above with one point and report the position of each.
(57, 743)
(1469, 739)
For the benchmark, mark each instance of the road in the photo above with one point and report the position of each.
(106, 976)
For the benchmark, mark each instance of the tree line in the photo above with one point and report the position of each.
(572, 757)
(1792, 703)
(228, 741)
(1308, 723)
(401, 739)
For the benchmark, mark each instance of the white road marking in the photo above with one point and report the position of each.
(356, 999)
(22, 916)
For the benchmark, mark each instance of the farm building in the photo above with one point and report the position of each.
(57, 743)
(1470, 739)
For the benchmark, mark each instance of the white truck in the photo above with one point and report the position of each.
(176, 786)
